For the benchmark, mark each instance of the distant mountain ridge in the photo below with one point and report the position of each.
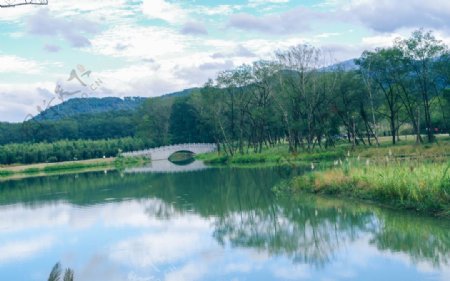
(88, 106)
(347, 65)
(81, 106)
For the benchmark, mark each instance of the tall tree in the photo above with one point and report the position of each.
(299, 97)
(421, 51)
(382, 69)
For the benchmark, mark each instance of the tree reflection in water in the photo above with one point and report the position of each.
(245, 213)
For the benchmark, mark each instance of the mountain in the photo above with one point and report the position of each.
(81, 106)
(346, 65)
(89, 106)
(184, 93)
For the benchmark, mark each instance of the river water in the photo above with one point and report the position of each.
(207, 224)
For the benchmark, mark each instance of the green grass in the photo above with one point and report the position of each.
(6, 173)
(32, 171)
(420, 186)
(118, 163)
(73, 166)
(280, 153)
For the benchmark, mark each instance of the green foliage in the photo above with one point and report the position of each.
(153, 124)
(277, 154)
(32, 171)
(80, 106)
(185, 125)
(60, 151)
(6, 173)
(92, 126)
(71, 166)
(68, 275)
(55, 274)
(419, 186)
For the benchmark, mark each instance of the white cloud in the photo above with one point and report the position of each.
(18, 250)
(164, 10)
(12, 63)
(141, 42)
(297, 272)
(189, 272)
(219, 10)
(297, 20)
(19, 100)
(380, 40)
(267, 1)
(389, 16)
(154, 249)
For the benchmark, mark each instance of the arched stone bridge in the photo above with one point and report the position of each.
(164, 152)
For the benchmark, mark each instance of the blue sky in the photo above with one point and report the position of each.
(153, 47)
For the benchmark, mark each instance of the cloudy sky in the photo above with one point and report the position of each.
(153, 47)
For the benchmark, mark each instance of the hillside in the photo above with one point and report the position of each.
(81, 106)
(88, 106)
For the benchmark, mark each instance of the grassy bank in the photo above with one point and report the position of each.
(277, 154)
(280, 153)
(21, 171)
(420, 186)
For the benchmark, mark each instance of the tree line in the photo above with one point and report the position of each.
(64, 150)
(403, 89)
(94, 126)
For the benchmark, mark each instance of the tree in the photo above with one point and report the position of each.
(262, 114)
(421, 52)
(154, 121)
(303, 92)
(185, 125)
(381, 67)
(237, 100)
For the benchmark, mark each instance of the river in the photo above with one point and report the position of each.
(207, 224)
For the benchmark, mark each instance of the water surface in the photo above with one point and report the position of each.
(207, 224)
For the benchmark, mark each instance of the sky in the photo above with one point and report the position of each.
(148, 48)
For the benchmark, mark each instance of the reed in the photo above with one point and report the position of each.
(416, 185)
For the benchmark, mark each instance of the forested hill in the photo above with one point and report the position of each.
(85, 118)
(82, 106)
(87, 106)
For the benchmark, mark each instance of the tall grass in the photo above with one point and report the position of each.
(6, 173)
(422, 186)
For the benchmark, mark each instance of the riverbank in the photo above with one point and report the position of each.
(405, 176)
(279, 154)
(420, 186)
(43, 169)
